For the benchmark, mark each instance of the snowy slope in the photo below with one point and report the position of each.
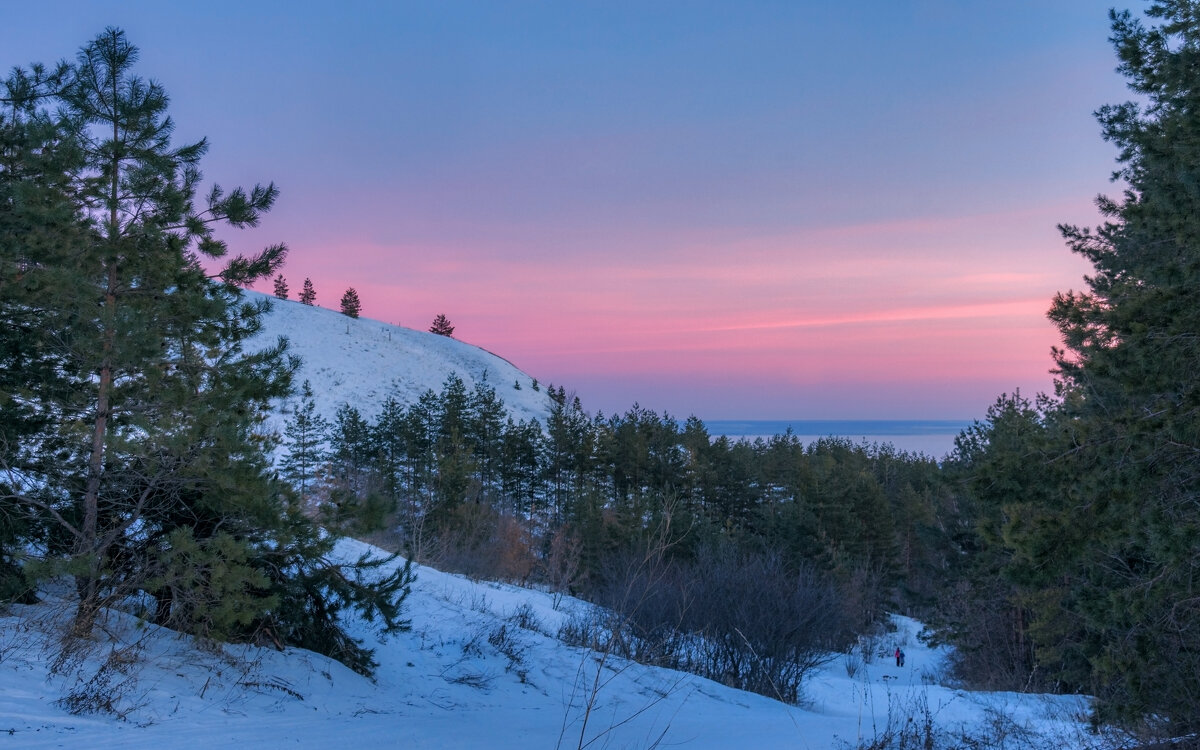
(361, 362)
(481, 667)
(449, 684)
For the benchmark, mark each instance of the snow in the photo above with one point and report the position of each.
(467, 675)
(448, 683)
(361, 362)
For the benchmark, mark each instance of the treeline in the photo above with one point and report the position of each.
(586, 503)
(433, 468)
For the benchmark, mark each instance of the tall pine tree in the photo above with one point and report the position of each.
(305, 441)
(138, 410)
(1119, 547)
(40, 227)
(147, 361)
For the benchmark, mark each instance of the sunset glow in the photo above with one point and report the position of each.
(740, 211)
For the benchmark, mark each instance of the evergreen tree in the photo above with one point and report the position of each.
(281, 287)
(40, 225)
(355, 501)
(1119, 544)
(520, 444)
(389, 443)
(308, 295)
(1002, 465)
(157, 316)
(305, 439)
(455, 462)
(566, 452)
(441, 326)
(351, 305)
(422, 428)
(139, 409)
(485, 422)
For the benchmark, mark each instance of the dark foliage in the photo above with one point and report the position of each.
(130, 447)
(308, 295)
(351, 305)
(441, 326)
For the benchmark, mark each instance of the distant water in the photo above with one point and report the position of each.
(933, 437)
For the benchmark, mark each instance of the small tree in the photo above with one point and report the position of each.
(308, 295)
(441, 326)
(281, 287)
(351, 305)
(305, 445)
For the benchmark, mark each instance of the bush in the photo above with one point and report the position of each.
(742, 619)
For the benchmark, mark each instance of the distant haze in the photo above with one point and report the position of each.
(756, 210)
(934, 438)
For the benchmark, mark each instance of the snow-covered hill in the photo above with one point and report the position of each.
(361, 362)
(481, 668)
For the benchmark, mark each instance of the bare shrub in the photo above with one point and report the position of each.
(991, 647)
(562, 563)
(913, 725)
(508, 643)
(863, 595)
(743, 619)
(484, 544)
(108, 690)
(511, 550)
(853, 662)
(525, 618)
(762, 626)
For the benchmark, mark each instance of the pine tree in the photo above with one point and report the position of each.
(40, 227)
(281, 287)
(355, 501)
(441, 326)
(455, 462)
(484, 425)
(1002, 467)
(148, 343)
(1115, 552)
(351, 305)
(389, 443)
(305, 439)
(140, 407)
(308, 295)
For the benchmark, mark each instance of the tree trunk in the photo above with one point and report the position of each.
(87, 584)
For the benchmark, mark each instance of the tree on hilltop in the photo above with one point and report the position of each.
(351, 305)
(441, 326)
(281, 287)
(308, 295)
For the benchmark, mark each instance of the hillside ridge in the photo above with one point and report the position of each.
(360, 362)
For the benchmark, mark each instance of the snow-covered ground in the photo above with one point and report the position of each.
(361, 362)
(480, 668)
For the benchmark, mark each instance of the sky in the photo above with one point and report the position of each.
(738, 210)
